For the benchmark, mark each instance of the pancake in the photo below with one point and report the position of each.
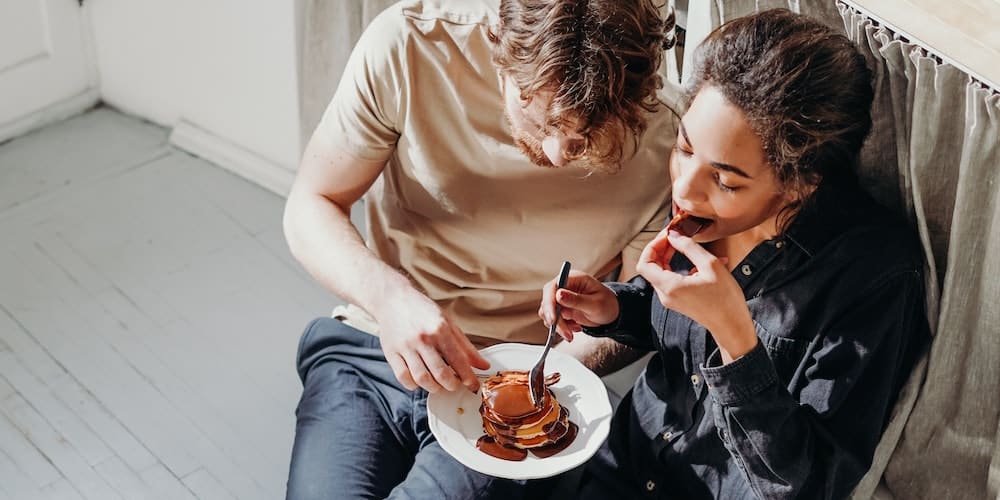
(514, 425)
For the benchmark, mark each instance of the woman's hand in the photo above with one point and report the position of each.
(424, 347)
(709, 295)
(585, 301)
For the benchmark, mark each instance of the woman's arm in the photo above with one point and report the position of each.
(818, 442)
(632, 327)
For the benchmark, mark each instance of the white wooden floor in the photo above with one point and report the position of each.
(149, 315)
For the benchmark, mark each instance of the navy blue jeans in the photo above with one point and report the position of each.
(360, 434)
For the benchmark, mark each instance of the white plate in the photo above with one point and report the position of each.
(455, 421)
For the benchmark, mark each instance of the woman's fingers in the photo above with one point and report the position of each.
(659, 251)
(697, 254)
(578, 286)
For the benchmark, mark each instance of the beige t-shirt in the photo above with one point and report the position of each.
(458, 208)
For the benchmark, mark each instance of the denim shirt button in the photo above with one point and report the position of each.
(779, 244)
(746, 270)
(695, 379)
(667, 435)
(650, 485)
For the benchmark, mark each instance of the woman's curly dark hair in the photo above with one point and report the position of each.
(805, 90)
(598, 57)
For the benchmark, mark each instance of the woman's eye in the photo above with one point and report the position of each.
(725, 187)
(682, 152)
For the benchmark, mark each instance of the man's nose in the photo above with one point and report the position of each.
(555, 149)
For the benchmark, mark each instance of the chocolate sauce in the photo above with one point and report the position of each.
(560, 445)
(492, 448)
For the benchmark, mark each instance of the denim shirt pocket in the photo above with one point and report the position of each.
(785, 352)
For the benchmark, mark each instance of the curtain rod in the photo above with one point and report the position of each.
(979, 78)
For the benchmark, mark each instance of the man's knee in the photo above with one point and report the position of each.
(326, 339)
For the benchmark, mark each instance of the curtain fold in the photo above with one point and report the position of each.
(935, 154)
(726, 10)
(331, 30)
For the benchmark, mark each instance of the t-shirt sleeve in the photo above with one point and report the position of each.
(363, 117)
(671, 97)
(632, 251)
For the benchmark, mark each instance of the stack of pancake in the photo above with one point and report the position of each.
(513, 421)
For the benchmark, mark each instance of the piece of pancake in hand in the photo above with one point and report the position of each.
(514, 424)
(687, 224)
(684, 223)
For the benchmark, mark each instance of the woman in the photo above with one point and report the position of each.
(785, 326)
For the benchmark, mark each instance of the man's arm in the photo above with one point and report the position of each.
(602, 355)
(421, 344)
(319, 231)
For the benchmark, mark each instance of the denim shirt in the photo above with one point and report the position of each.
(838, 304)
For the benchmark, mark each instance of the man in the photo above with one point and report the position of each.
(447, 116)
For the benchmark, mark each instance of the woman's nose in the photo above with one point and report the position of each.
(687, 184)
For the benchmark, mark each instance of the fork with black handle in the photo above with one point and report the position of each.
(536, 378)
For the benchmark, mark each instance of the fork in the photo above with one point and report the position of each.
(536, 378)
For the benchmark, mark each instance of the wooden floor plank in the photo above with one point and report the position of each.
(216, 387)
(15, 484)
(63, 420)
(22, 451)
(124, 480)
(204, 485)
(61, 490)
(112, 378)
(36, 359)
(56, 449)
(112, 432)
(195, 389)
(149, 316)
(63, 147)
(55, 247)
(165, 485)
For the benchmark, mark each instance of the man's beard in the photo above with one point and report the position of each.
(528, 145)
(532, 148)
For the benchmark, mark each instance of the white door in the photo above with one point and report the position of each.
(45, 67)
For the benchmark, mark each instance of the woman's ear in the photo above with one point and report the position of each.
(799, 194)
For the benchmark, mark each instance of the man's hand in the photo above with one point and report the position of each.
(424, 347)
(585, 302)
(709, 296)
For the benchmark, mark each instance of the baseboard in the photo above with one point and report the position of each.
(49, 114)
(232, 157)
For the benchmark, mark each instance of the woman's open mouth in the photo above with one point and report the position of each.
(687, 224)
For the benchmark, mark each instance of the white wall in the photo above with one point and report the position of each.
(223, 72)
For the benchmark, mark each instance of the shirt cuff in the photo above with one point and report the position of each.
(738, 382)
(633, 309)
(609, 328)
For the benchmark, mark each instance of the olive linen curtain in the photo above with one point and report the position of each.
(331, 28)
(935, 154)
